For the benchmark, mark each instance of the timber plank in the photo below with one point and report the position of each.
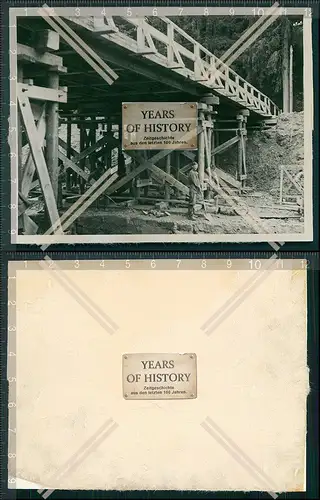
(30, 168)
(227, 178)
(144, 165)
(226, 145)
(75, 41)
(39, 160)
(29, 54)
(158, 173)
(124, 180)
(42, 93)
(64, 145)
(91, 149)
(70, 164)
(220, 173)
(293, 181)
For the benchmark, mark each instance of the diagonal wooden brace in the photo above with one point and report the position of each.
(76, 42)
(28, 171)
(39, 161)
(144, 165)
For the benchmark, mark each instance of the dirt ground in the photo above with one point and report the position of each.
(282, 144)
(138, 220)
(267, 149)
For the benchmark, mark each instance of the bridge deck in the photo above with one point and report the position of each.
(173, 49)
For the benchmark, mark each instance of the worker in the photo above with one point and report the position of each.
(194, 189)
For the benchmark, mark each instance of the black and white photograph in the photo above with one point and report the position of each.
(141, 124)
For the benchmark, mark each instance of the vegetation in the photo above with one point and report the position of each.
(261, 63)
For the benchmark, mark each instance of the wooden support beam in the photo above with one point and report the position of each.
(209, 137)
(29, 54)
(239, 162)
(76, 42)
(160, 175)
(201, 146)
(29, 169)
(243, 140)
(293, 181)
(19, 132)
(64, 145)
(104, 25)
(108, 153)
(184, 179)
(131, 64)
(43, 93)
(25, 223)
(168, 170)
(221, 174)
(68, 144)
(226, 145)
(37, 108)
(39, 160)
(91, 149)
(227, 178)
(144, 164)
(48, 40)
(70, 164)
(212, 135)
(127, 178)
(52, 135)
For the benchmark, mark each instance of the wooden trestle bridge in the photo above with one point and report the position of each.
(77, 72)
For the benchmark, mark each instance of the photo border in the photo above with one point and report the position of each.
(226, 241)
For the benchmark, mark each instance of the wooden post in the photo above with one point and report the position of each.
(68, 171)
(239, 166)
(285, 64)
(92, 140)
(243, 139)
(213, 142)
(201, 151)
(52, 135)
(210, 134)
(109, 149)
(19, 130)
(168, 170)
(178, 164)
(291, 80)
(83, 142)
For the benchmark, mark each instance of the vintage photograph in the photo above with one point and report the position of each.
(141, 127)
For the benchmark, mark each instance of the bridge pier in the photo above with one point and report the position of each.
(206, 140)
(242, 132)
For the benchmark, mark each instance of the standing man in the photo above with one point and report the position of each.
(195, 188)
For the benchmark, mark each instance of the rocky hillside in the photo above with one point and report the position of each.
(267, 149)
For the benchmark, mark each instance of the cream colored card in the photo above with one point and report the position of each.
(244, 430)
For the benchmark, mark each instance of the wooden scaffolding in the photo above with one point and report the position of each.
(64, 173)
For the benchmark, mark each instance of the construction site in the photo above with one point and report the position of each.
(74, 75)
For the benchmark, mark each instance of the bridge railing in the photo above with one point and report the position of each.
(173, 48)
